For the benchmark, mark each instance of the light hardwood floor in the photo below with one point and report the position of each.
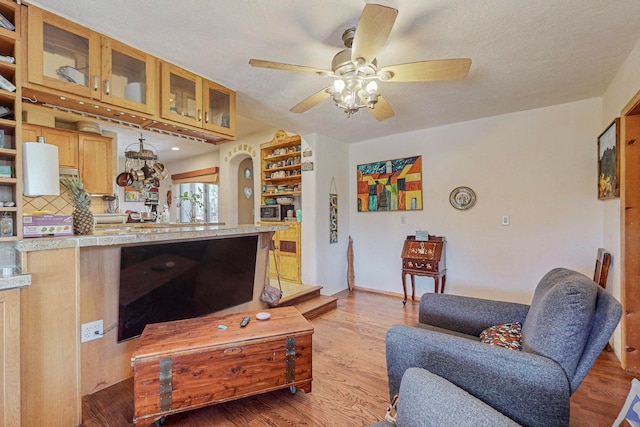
(349, 379)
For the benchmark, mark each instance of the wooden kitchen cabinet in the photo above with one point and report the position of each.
(181, 95)
(77, 69)
(189, 99)
(68, 57)
(62, 55)
(95, 163)
(219, 108)
(10, 357)
(91, 154)
(129, 77)
(286, 253)
(66, 141)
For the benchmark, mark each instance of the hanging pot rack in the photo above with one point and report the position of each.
(137, 159)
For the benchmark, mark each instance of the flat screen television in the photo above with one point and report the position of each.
(173, 281)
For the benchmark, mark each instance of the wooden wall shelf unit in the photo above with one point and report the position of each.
(423, 258)
(281, 176)
(281, 167)
(78, 71)
(11, 118)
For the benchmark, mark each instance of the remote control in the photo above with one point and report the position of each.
(244, 322)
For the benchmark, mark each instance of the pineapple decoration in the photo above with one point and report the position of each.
(82, 216)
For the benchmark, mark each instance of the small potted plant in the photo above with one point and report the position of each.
(194, 200)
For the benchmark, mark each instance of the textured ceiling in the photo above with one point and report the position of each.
(526, 54)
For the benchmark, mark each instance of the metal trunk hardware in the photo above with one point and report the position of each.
(166, 386)
(291, 359)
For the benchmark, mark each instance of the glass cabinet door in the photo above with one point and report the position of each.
(128, 76)
(181, 95)
(63, 55)
(219, 106)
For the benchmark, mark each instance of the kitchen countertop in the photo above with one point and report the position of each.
(14, 281)
(126, 234)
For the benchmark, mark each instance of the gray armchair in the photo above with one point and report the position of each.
(568, 323)
(440, 404)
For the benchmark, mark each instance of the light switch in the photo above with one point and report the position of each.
(505, 219)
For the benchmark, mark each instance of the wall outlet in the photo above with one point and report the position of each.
(91, 331)
(505, 220)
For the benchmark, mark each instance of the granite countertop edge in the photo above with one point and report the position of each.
(15, 281)
(111, 237)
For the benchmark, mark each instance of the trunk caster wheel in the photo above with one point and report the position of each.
(160, 421)
(292, 389)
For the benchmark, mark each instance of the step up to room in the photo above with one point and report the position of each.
(309, 301)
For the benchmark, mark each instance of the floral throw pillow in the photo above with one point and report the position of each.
(507, 335)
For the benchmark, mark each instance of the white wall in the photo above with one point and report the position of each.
(539, 167)
(231, 154)
(620, 91)
(323, 263)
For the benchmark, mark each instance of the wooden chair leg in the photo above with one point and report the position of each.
(404, 287)
(413, 288)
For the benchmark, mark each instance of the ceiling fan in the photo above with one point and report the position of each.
(355, 69)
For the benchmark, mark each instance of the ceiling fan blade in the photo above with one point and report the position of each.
(428, 71)
(383, 110)
(286, 67)
(312, 101)
(372, 31)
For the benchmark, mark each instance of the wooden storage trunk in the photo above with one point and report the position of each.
(191, 363)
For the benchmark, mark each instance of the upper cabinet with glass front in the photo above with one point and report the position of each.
(219, 108)
(181, 95)
(62, 55)
(188, 98)
(71, 58)
(128, 77)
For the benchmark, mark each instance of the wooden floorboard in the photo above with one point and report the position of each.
(349, 379)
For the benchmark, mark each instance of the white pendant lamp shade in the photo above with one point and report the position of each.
(40, 171)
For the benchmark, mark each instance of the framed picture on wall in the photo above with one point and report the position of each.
(390, 185)
(131, 195)
(609, 162)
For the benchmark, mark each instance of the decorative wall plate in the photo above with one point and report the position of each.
(462, 198)
(248, 192)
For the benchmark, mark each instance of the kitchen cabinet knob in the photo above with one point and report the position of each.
(206, 117)
(199, 115)
(107, 87)
(95, 82)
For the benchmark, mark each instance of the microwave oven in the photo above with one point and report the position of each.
(275, 212)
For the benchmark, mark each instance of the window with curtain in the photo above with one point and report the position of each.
(202, 181)
(208, 212)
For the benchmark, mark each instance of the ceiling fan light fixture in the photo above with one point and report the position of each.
(351, 93)
(372, 87)
(353, 68)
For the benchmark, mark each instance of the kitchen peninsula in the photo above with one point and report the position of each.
(75, 280)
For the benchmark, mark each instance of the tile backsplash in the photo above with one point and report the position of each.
(58, 205)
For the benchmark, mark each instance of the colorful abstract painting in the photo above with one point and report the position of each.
(392, 185)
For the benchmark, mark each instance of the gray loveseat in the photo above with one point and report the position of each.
(567, 325)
